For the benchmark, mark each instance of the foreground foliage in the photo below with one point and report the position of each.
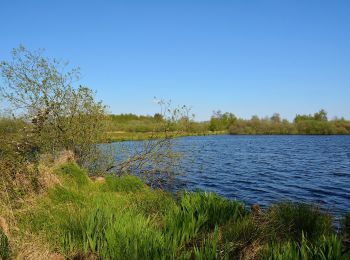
(121, 218)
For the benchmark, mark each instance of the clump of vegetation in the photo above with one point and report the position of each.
(298, 220)
(71, 174)
(111, 234)
(197, 213)
(325, 248)
(243, 237)
(126, 183)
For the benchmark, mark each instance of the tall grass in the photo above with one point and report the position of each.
(208, 248)
(326, 248)
(113, 235)
(198, 212)
(72, 175)
(295, 219)
(127, 183)
(239, 236)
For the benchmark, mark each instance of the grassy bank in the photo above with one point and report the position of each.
(121, 218)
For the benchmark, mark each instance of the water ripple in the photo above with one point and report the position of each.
(266, 169)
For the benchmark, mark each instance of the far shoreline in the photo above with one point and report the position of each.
(144, 136)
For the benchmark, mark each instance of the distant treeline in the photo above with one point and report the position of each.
(144, 124)
(318, 123)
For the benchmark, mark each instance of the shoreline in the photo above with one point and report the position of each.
(142, 136)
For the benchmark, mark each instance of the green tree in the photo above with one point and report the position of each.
(221, 121)
(276, 118)
(57, 115)
(321, 115)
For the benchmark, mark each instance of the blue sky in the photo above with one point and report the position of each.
(245, 57)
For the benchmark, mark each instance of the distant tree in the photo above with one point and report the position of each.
(321, 115)
(255, 118)
(221, 121)
(158, 117)
(298, 118)
(276, 118)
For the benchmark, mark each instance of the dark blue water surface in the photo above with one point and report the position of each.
(267, 169)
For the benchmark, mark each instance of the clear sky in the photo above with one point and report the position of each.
(246, 57)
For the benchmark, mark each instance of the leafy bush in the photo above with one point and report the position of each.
(127, 183)
(295, 219)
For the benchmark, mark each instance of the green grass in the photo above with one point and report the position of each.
(197, 213)
(111, 234)
(326, 248)
(127, 183)
(71, 174)
(121, 218)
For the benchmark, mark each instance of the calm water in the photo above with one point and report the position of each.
(266, 169)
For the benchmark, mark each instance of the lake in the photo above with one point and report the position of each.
(266, 169)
